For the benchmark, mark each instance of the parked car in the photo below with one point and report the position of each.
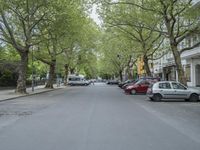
(127, 84)
(140, 86)
(77, 80)
(112, 82)
(150, 78)
(172, 90)
(121, 84)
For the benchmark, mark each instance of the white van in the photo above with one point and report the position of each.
(77, 80)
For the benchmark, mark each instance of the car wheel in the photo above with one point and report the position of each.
(151, 99)
(187, 100)
(194, 97)
(133, 92)
(157, 97)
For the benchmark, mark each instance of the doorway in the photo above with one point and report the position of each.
(197, 70)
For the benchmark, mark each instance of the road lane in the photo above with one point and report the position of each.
(97, 117)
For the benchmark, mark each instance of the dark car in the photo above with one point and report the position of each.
(150, 78)
(125, 82)
(112, 82)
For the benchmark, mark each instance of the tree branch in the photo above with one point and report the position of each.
(43, 60)
(11, 35)
(133, 4)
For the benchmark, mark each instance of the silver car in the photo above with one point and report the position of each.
(172, 90)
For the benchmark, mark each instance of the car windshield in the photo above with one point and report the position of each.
(139, 81)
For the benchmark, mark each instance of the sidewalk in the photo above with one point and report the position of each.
(10, 94)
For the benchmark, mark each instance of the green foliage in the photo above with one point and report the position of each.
(6, 78)
(8, 75)
(69, 38)
(8, 53)
(116, 52)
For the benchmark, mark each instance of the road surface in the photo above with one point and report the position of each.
(98, 117)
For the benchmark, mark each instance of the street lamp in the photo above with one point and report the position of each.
(32, 71)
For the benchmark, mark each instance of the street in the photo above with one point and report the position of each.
(98, 117)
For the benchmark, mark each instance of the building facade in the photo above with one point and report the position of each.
(165, 67)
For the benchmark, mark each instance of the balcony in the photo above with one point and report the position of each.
(194, 53)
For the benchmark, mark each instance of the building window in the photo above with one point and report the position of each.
(198, 38)
(188, 42)
(194, 40)
(170, 73)
(182, 44)
(188, 72)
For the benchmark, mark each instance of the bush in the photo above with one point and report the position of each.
(8, 73)
(7, 78)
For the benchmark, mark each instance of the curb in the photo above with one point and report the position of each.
(12, 98)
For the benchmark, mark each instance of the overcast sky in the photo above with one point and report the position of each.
(94, 15)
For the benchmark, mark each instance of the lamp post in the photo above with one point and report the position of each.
(120, 70)
(32, 71)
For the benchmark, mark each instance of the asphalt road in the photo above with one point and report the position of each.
(98, 117)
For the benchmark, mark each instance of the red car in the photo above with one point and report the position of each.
(139, 87)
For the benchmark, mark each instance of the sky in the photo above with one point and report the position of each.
(94, 15)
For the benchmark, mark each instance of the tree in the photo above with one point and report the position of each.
(19, 20)
(129, 20)
(66, 36)
(54, 33)
(117, 54)
(177, 20)
(80, 57)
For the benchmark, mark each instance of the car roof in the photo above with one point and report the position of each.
(167, 82)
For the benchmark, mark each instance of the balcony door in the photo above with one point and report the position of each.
(197, 70)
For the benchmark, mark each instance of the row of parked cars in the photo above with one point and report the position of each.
(157, 90)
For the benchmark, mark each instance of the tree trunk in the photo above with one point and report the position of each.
(66, 73)
(120, 75)
(72, 70)
(180, 70)
(51, 75)
(130, 72)
(176, 54)
(21, 82)
(146, 66)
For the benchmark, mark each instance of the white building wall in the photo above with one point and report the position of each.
(191, 57)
